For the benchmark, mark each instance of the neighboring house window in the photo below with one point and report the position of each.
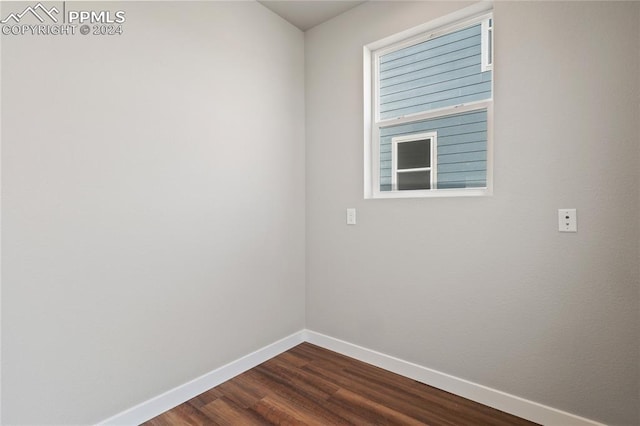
(429, 110)
(413, 165)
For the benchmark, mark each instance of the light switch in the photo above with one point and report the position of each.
(567, 220)
(351, 216)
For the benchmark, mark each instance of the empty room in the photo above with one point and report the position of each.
(320, 212)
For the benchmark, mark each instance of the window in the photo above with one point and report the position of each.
(429, 109)
(413, 164)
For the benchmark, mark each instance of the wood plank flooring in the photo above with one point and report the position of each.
(309, 385)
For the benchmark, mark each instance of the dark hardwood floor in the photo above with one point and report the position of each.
(309, 385)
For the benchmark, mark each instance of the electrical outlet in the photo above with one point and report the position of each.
(567, 220)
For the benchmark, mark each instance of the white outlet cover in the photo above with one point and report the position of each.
(567, 220)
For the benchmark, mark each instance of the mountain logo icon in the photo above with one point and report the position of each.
(38, 11)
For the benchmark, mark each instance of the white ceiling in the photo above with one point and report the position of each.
(306, 14)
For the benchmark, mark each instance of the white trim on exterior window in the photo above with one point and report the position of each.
(432, 168)
(487, 44)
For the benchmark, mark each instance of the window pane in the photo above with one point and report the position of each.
(440, 72)
(461, 154)
(414, 154)
(414, 180)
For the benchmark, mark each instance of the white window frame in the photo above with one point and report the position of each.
(478, 13)
(433, 158)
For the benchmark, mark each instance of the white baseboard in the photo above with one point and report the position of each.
(176, 396)
(494, 398)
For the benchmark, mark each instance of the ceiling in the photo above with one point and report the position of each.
(306, 14)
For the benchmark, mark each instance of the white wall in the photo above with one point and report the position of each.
(487, 289)
(153, 204)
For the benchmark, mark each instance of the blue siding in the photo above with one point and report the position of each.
(440, 72)
(461, 146)
(394, 57)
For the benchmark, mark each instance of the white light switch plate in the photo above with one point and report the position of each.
(567, 220)
(351, 216)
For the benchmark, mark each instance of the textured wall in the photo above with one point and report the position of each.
(487, 289)
(152, 204)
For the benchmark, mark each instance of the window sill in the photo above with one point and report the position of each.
(435, 193)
